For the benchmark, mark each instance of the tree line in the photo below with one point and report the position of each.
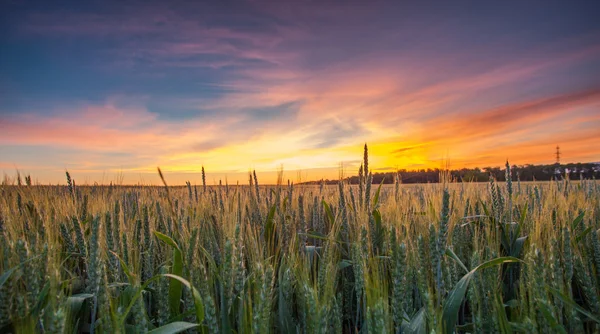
(528, 172)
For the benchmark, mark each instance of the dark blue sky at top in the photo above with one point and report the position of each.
(108, 86)
(91, 60)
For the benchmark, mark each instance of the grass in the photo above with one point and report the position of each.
(452, 257)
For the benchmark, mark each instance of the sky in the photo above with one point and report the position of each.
(111, 90)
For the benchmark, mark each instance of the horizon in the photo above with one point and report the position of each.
(197, 179)
(109, 91)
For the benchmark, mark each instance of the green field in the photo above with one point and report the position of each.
(453, 257)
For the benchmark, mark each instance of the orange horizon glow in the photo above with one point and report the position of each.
(111, 94)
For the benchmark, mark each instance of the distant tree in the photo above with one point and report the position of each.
(527, 172)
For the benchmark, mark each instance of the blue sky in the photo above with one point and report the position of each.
(105, 89)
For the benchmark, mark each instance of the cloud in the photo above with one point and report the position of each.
(207, 145)
(509, 117)
(259, 84)
(331, 132)
(287, 111)
(403, 150)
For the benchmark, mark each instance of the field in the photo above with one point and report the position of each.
(452, 257)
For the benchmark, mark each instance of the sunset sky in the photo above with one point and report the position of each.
(111, 91)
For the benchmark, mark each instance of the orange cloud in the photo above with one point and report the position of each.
(512, 116)
(304, 95)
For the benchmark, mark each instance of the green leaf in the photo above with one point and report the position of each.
(377, 217)
(328, 213)
(518, 327)
(182, 316)
(174, 327)
(523, 214)
(573, 304)
(547, 313)
(42, 299)
(312, 251)
(78, 299)
(270, 223)
(418, 323)
(377, 235)
(468, 327)
(73, 307)
(344, 264)
(285, 204)
(315, 235)
(166, 239)
(175, 287)
(583, 234)
(485, 209)
(6, 275)
(453, 255)
(128, 272)
(518, 246)
(138, 294)
(80, 296)
(456, 296)
(577, 220)
(197, 298)
(208, 258)
(376, 197)
(271, 214)
(501, 317)
(284, 314)
(270, 235)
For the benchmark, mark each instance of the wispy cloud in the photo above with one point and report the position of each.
(478, 123)
(260, 84)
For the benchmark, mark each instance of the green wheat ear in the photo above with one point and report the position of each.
(302, 258)
(203, 180)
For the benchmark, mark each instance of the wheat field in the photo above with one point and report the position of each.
(505, 257)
